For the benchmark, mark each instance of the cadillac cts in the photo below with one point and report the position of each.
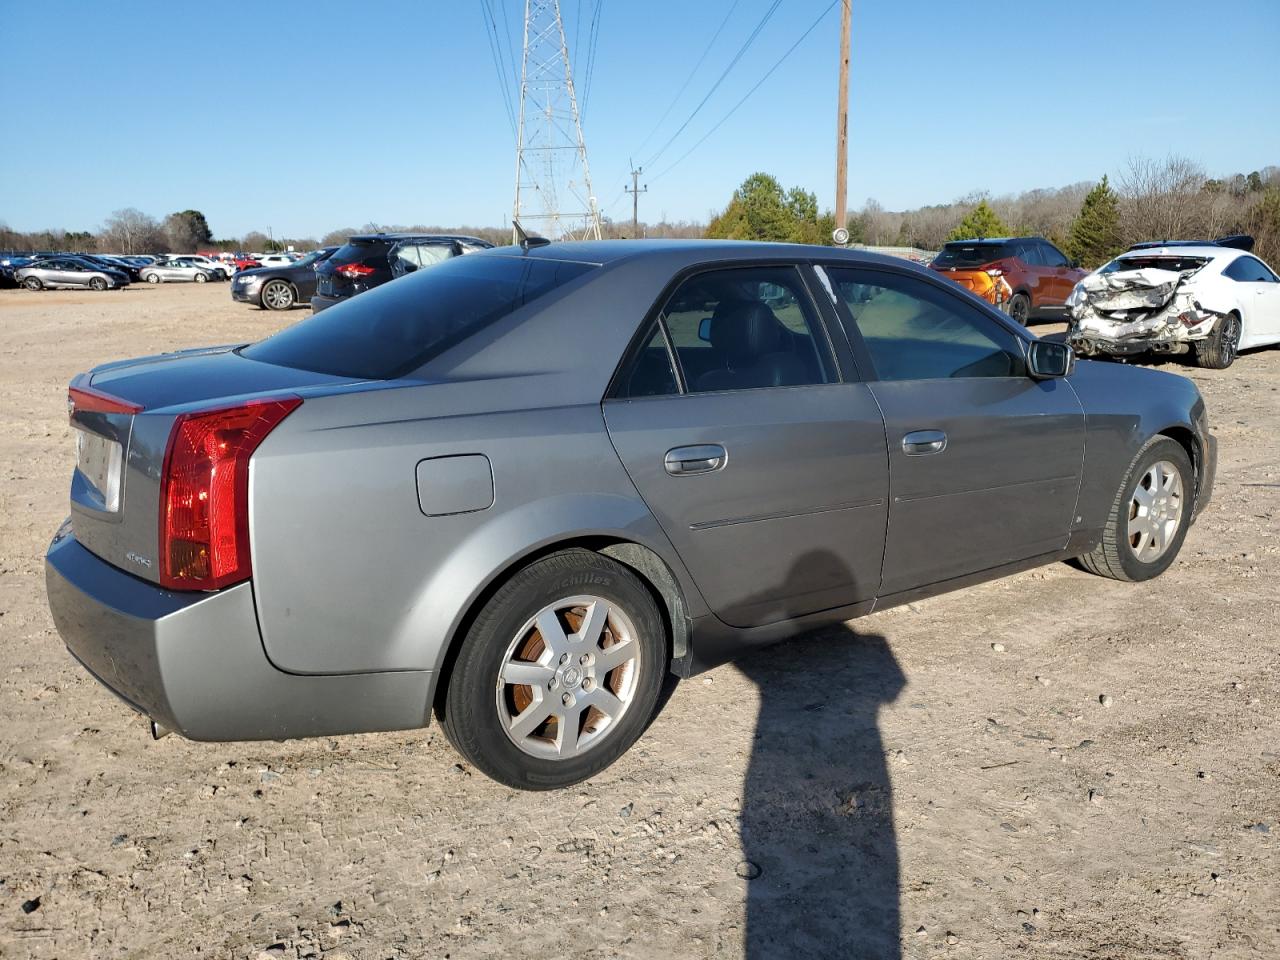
(519, 488)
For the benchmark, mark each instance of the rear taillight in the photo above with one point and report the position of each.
(89, 400)
(204, 493)
(354, 271)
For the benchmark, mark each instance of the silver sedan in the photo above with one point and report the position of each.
(69, 273)
(176, 271)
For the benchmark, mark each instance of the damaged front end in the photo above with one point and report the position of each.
(1141, 310)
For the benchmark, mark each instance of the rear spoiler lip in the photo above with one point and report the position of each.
(82, 398)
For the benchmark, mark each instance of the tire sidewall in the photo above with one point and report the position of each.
(471, 714)
(1172, 451)
(271, 306)
(1026, 311)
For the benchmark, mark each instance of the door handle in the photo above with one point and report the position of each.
(919, 442)
(701, 458)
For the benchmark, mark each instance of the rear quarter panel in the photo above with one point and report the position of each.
(1124, 407)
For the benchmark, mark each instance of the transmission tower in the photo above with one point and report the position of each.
(553, 182)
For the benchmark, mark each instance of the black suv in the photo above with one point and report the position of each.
(279, 288)
(371, 260)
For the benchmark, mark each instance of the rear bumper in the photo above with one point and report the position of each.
(319, 302)
(1092, 345)
(194, 663)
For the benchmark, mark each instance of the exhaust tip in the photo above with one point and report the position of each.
(158, 732)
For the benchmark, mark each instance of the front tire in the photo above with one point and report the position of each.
(277, 295)
(153, 278)
(33, 283)
(1020, 308)
(202, 278)
(1219, 351)
(559, 674)
(97, 283)
(1149, 516)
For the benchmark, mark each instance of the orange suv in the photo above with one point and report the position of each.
(1026, 276)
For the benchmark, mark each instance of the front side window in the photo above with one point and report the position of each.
(914, 331)
(746, 329)
(1052, 256)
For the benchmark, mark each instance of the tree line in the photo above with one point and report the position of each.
(1166, 199)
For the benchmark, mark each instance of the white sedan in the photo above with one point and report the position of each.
(1209, 299)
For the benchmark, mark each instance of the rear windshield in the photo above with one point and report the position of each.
(351, 252)
(1176, 264)
(391, 331)
(963, 255)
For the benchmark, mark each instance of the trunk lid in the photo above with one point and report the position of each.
(123, 434)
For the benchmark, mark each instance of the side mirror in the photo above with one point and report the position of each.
(1050, 359)
(704, 330)
(1073, 263)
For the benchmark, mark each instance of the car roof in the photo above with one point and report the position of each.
(1209, 250)
(393, 237)
(691, 252)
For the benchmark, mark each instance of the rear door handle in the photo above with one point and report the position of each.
(920, 442)
(701, 458)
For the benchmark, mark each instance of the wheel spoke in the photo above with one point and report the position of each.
(568, 723)
(530, 674)
(593, 623)
(551, 631)
(615, 656)
(1144, 497)
(604, 701)
(533, 716)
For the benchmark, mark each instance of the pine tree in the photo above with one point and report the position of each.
(981, 222)
(1095, 233)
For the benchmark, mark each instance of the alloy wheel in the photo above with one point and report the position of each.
(568, 677)
(277, 295)
(1155, 511)
(1230, 338)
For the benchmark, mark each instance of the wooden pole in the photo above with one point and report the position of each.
(842, 121)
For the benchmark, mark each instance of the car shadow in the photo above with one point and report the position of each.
(820, 852)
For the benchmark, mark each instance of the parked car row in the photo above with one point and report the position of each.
(93, 270)
(1207, 298)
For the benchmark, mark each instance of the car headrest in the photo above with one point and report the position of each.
(743, 330)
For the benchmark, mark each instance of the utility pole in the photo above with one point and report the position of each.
(635, 190)
(553, 181)
(841, 233)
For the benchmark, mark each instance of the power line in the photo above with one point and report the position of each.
(491, 35)
(734, 109)
(687, 80)
(593, 40)
(715, 86)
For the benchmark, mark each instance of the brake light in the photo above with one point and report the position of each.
(89, 400)
(354, 271)
(204, 493)
(994, 272)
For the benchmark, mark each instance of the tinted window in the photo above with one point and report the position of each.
(915, 331)
(650, 373)
(966, 255)
(391, 331)
(746, 329)
(1249, 270)
(351, 252)
(1052, 256)
(1176, 264)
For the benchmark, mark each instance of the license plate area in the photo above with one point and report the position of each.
(99, 460)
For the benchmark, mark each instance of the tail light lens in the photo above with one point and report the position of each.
(354, 271)
(204, 493)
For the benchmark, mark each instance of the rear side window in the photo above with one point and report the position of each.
(1249, 270)
(967, 255)
(394, 329)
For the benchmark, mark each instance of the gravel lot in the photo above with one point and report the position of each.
(938, 780)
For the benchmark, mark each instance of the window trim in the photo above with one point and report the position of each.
(862, 353)
(655, 316)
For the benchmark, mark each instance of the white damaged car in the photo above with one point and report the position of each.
(1211, 299)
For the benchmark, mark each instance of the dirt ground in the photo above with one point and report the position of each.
(939, 780)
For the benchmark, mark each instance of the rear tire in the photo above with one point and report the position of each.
(1020, 308)
(582, 707)
(33, 283)
(1146, 504)
(1219, 351)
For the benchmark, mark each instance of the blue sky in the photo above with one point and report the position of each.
(311, 116)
